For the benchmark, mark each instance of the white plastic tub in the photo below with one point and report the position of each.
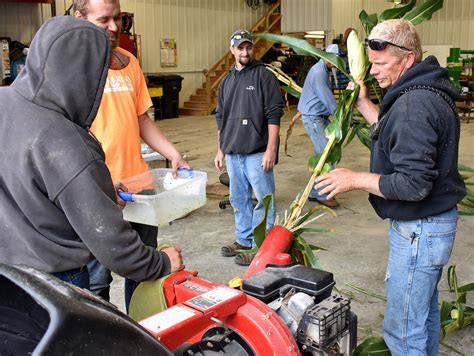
(158, 200)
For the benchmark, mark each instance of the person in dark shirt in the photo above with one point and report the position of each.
(413, 180)
(248, 114)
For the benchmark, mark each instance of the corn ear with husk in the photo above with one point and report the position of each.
(356, 56)
(338, 129)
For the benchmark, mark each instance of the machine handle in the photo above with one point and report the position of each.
(126, 196)
(188, 172)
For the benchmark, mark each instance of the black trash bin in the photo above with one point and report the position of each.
(171, 84)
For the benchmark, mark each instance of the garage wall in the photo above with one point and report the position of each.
(19, 21)
(306, 15)
(200, 27)
(453, 25)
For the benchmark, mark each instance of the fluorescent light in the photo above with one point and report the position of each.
(321, 33)
(314, 36)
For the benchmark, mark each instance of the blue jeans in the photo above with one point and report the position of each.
(246, 175)
(315, 126)
(78, 277)
(100, 279)
(418, 251)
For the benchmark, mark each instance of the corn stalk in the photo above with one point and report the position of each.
(285, 78)
(338, 129)
(466, 206)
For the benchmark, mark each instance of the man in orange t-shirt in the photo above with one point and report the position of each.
(121, 122)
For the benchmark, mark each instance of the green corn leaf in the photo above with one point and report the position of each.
(451, 275)
(351, 135)
(335, 155)
(296, 245)
(294, 203)
(466, 288)
(292, 91)
(464, 168)
(316, 248)
(460, 315)
(303, 47)
(295, 250)
(253, 250)
(313, 161)
(424, 11)
(445, 311)
(368, 21)
(305, 217)
(396, 12)
(373, 345)
(315, 230)
(346, 124)
(260, 230)
(449, 327)
(333, 129)
(466, 212)
(364, 136)
(310, 212)
(309, 255)
(362, 131)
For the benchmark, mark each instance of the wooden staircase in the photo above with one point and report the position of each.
(204, 101)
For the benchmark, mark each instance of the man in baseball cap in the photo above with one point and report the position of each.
(240, 36)
(248, 113)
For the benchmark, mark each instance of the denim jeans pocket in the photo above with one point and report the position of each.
(440, 240)
(402, 250)
(404, 229)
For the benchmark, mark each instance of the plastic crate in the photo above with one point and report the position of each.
(157, 203)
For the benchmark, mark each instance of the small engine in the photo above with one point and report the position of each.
(321, 323)
(290, 312)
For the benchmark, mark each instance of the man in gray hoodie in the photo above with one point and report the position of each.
(58, 204)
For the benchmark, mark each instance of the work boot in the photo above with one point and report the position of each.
(244, 259)
(231, 250)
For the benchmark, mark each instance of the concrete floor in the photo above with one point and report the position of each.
(356, 251)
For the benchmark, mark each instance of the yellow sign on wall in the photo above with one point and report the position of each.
(169, 54)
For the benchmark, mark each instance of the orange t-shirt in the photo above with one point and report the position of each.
(116, 125)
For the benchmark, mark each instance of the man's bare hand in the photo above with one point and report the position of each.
(176, 163)
(119, 187)
(174, 254)
(363, 96)
(268, 160)
(337, 181)
(219, 161)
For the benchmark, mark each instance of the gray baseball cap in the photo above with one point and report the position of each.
(240, 36)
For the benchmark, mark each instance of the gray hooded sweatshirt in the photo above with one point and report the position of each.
(57, 200)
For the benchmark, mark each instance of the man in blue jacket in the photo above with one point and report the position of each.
(316, 104)
(413, 180)
(248, 114)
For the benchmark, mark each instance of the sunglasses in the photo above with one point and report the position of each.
(380, 45)
(240, 35)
